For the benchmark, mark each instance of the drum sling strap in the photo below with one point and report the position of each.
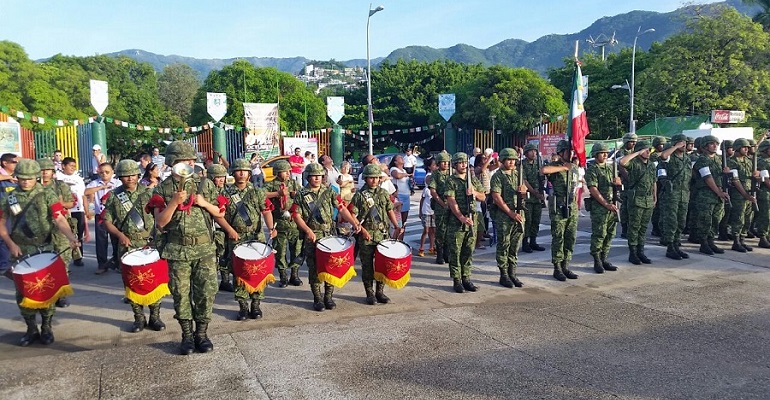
(239, 206)
(132, 213)
(315, 211)
(22, 219)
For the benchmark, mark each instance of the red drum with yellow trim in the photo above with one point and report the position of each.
(334, 260)
(392, 262)
(253, 264)
(41, 279)
(145, 276)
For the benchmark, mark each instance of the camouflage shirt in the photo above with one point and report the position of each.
(323, 201)
(376, 222)
(253, 202)
(641, 181)
(457, 188)
(561, 188)
(504, 183)
(116, 210)
(281, 216)
(763, 164)
(676, 182)
(35, 227)
(601, 176)
(745, 169)
(531, 172)
(438, 182)
(711, 164)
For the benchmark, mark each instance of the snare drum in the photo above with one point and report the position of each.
(392, 262)
(41, 279)
(334, 260)
(253, 264)
(145, 276)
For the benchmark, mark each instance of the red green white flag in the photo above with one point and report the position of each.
(577, 126)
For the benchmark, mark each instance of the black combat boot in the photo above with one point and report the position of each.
(46, 333)
(62, 302)
(188, 344)
(202, 342)
(439, 255)
(226, 285)
(672, 253)
(328, 297)
(598, 266)
(764, 242)
(155, 322)
(294, 279)
(642, 257)
(243, 310)
(458, 285)
(705, 248)
(468, 285)
(565, 269)
(743, 243)
(512, 275)
(32, 334)
(557, 272)
(255, 312)
(139, 319)
(682, 254)
(525, 247)
(284, 278)
(737, 246)
(714, 247)
(370, 299)
(751, 234)
(655, 232)
(608, 266)
(505, 280)
(380, 293)
(633, 258)
(318, 303)
(533, 244)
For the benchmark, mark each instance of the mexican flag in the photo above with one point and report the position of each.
(577, 126)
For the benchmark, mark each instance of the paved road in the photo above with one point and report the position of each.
(693, 329)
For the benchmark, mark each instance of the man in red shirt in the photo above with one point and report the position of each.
(297, 163)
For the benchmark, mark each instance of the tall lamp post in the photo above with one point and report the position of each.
(493, 117)
(632, 126)
(626, 86)
(370, 116)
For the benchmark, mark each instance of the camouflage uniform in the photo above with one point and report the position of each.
(509, 231)
(288, 242)
(693, 156)
(622, 152)
(763, 196)
(724, 224)
(641, 198)
(438, 182)
(603, 221)
(563, 212)
(63, 191)
(708, 206)
(742, 167)
(674, 176)
(534, 212)
(225, 268)
(658, 144)
(461, 238)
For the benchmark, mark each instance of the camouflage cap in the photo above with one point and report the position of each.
(690, 139)
(709, 139)
(216, 171)
(372, 171)
(752, 142)
(241, 164)
(529, 147)
(762, 146)
(642, 145)
(27, 169)
(459, 157)
(697, 141)
(508, 153)
(315, 169)
(281, 166)
(46, 163)
(630, 137)
(738, 143)
(443, 157)
(127, 168)
(679, 138)
(563, 145)
(599, 148)
(659, 141)
(179, 150)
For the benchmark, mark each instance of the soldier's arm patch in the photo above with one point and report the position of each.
(222, 202)
(340, 202)
(156, 201)
(57, 209)
(268, 205)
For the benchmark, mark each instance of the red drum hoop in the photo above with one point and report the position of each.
(392, 263)
(253, 264)
(41, 279)
(334, 260)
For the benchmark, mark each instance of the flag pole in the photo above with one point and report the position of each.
(577, 44)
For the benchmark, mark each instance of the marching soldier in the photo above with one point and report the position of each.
(509, 221)
(184, 207)
(724, 225)
(629, 142)
(246, 206)
(437, 185)
(281, 191)
(30, 233)
(641, 195)
(749, 225)
(693, 155)
(460, 226)
(562, 209)
(600, 179)
(674, 175)
(217, 173)
(124, 218)
(709, 200)
(742, 170)
(658, 144)
(763, 197)
(535, 201)
(312, 212)
(372, 203)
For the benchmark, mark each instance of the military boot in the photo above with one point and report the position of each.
(439, 255)
(557, 272)
(764, 242)
(46, 333)
(255, 312)
(226, 285)
(608, 266)
(380, 293)
(369, 289)
(737, 246)
(682, 254)
(468, 285)
(202, 342)
(457, 285)
(243, 310)
(623, 231)
(32, 333)
(751, 234)
(525, 248)
(505, 280)
(62, 302)
(329, 297)
(155, 322)
(672, 253)
(745, 246)
(188, 345)
(294, 279)
(633, 257)
(714, 247)
(318, 303)
(724, 236)
(139, 319)
(284, 278)
(533, 244)
(642, 257)
(564, 268)
(705, 248)
(598, 266)
(512, 275)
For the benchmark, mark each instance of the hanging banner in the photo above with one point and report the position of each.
(216, 105)
(335, 108)
(99, 96)
(10, 138)
(261, 120)
(446, 105)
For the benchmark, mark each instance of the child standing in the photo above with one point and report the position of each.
(428, 220)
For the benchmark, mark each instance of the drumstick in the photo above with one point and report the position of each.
(322, 245)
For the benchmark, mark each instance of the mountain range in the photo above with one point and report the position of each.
(540, 55)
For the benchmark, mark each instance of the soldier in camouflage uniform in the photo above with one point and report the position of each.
(641, 195)
(535, 201)
(372, 203)
(600, 179)
(183, 210)
(562, 209)
(742, 169)
(312, 212)
(710, 198)
(217, 173)
(749, 225)
(32, 229)
(124, 217)
(629, 142)
(438, 203)
(509, 221)
(674, 175)
(693, 155)
(64, 193)
(763, 196)
(658, 144)
(281, 191)
(460, 226)
(725, 233)
(246, 207)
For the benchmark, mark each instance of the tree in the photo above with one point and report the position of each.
(763, 16)
(177, 86)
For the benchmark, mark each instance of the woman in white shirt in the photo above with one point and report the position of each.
(345, 182)
(400, 179)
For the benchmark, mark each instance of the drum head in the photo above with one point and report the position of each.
(252, 250)
(139, 257)
(34, 263)
(394, 249)
(334, 244)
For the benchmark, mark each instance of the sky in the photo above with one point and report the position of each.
(319, 29)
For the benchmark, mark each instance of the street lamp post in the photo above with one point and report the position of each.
(370, 116)
(626, 86)
(632, 124)
(493, 117)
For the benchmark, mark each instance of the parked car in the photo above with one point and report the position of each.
(267, 167)
(419, 168)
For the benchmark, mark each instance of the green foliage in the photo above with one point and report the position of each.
(177, 86)
(762, 16)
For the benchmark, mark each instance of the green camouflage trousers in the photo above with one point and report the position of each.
(763, 215)
(638, 220)
(603, 225)
(219, 241)
(366, 254)
(623, 208)
(673, 219)
(738, 215)
(563, 234)
(312, 272)
(441, 233)
(287, 243)
(193, 285)
(461, 241)
(509, 234)
(532, 216)
(709, 210)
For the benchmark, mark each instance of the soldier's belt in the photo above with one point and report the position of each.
(189, 240)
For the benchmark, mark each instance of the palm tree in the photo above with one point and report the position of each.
(763, 16)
